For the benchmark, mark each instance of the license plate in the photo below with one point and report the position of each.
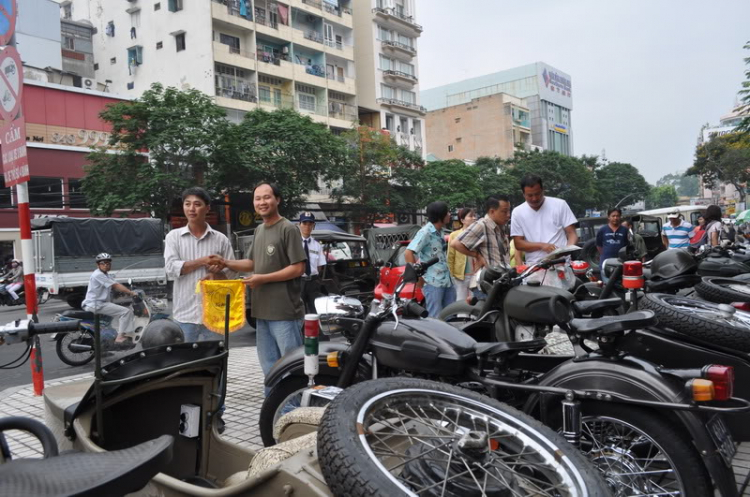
(722, 438)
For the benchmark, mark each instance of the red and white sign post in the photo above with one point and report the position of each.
(16, 167)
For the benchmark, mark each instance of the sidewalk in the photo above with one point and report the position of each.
(244, 399)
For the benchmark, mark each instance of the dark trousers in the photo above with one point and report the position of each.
(310, 291)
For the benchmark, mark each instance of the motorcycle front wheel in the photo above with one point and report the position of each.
(73, 357)
(400, 436)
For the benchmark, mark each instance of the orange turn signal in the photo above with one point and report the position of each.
(333, 359)
(701, 390)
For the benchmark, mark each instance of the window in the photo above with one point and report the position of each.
(450, 148)
(404, 67)
(264, 93)
(384, 34)
(159, 45)
(135, 19)
(135, 55)
(68, 42)
(458, 120)
(113, 60)
(157, 6)
(67, 9)
(231, 41)
(175, 5)
(405, 40)
(96, 66)
(76, 198)
(46, 193)
(385, 63)
(306, 102)
(180, 41)
(6, 200)
(387, 91)
(408, 96)
(389, 122)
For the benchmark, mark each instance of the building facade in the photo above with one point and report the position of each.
(544, 91)
(386, 57)
(245, 53)
(491, 126)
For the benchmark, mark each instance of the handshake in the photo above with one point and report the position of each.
(214, 264)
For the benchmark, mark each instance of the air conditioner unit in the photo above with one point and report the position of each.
(87, 83)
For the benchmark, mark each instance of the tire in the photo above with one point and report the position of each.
(613, 438)
(279, 395)
(526, 456)
(70, 357)
(700, 319)
(75, 300)
(723, 290)
(590, 254)
(452, 313)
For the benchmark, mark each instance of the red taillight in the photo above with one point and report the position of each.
(742, 306)
(579, 267)
(723, 379)
(632, 275)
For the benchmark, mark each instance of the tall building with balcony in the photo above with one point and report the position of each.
(545, 91)
(245, 53)
(490, 126)
(386, 34)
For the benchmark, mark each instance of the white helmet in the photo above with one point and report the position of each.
(103, 257)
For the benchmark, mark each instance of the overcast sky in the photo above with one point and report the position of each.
(646, 74)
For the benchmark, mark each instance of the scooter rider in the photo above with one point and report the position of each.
(99, 297)
(15, 280)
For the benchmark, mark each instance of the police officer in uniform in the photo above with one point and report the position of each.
(314, 264)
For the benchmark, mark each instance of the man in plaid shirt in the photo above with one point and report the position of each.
(486, 240)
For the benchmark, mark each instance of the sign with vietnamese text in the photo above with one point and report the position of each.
(13, 148)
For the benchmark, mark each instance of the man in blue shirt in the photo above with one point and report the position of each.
(612, 236)
(676, 234)
(428, 243)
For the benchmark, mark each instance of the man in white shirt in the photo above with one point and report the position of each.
(314, 264)
(99, 297)
(541, 224)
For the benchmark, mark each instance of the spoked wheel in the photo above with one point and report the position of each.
(640, 454)
(69, 355)
(413, 437)
(724, 290)
(717, 323)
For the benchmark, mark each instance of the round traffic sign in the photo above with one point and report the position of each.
(11, 83)
(8, 11)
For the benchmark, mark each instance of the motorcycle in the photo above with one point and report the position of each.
(609, 399)
(177, 450)
(151, 327)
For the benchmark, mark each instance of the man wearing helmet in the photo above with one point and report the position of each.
(99, 297)
(15, 280)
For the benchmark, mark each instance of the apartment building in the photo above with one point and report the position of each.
(245, 53)
(546, 93)
(386, 34)
(490, 126)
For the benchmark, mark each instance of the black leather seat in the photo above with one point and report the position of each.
(78, 314)
(589, 306)
(672, 284)
(496, 348)
(608, 325)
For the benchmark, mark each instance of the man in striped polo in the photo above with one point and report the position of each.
(676, 234)
(187, 255)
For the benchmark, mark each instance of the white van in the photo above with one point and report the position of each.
(689, 213)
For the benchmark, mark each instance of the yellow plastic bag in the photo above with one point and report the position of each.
(214, 304)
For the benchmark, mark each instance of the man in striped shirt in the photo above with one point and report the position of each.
(676, 234)
(186, 255)
(485, 240)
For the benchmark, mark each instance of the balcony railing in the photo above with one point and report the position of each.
(315, 70)
(398, 15)
(313, 3)
(246, 94)
(402, 103)
(285, 102)
(309, 108)
(236, 51)
(267, 22)
(270, 58)
(337, 77)
(342, 111)
(334, 44)
(400, 74)
(313, 36)
(402, 46)
(333, 9)
(233, 8)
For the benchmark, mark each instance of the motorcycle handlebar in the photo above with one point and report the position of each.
(554, 262)
(60, 327)
(416, 310)
(424, 266)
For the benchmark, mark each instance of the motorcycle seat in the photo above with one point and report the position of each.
(671, 284)
(614, 325)
(497, 348)
(589, 306)
(78, 314)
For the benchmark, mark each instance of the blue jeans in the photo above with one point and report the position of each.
(197, 332)
(437, 297)
(274, 339)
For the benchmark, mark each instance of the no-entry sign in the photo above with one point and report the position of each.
(11, 83)
(7, 20)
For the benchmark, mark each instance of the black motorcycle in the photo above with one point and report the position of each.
(635, 420)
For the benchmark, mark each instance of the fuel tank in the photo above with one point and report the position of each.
(721, 266)
(427, 346)
(530, 304)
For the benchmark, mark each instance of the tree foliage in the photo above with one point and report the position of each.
(452, 181)
(724, 159)
(686, 186)
(744, 126)
(620, 183)
(181, 132)
(661, 196)
(283, 147)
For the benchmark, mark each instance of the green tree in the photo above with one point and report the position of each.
(452, 181)
(661, 196)
(494, 179)
(282, 147)
(724, 159)
(744, 126)
(620, 183)
(379, 178)
(686, 186)
(165, 141)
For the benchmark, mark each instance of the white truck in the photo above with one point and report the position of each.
(65, 248)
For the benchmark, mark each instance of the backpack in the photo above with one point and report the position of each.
(701, 237)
